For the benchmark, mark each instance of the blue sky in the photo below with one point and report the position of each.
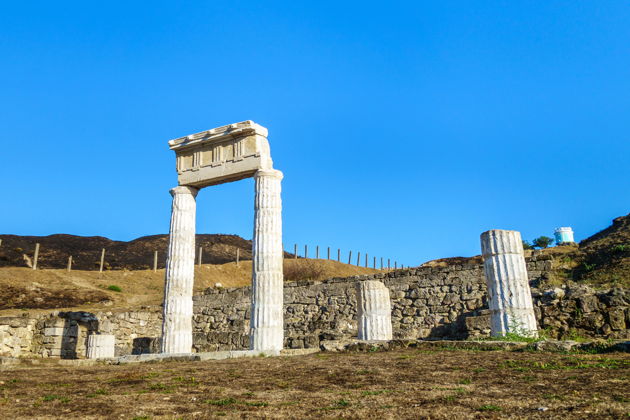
(404, 129)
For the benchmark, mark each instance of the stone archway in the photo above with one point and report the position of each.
(225, 154)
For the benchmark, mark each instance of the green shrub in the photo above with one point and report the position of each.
(542, 242)
(114, 288)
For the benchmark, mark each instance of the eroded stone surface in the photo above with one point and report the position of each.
(180, 273)
(222, 154)
(100, 346)
(266, 327)
(373, 311)
(509, 295)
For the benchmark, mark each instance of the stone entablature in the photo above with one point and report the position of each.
(223, 154)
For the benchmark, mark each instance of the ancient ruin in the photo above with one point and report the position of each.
(509, 296)
(212, 157)
(374, 317)
(100, 346)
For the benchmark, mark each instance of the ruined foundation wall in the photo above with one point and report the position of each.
(428, 302)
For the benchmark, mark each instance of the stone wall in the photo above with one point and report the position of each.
(427, 303)
(64, 334)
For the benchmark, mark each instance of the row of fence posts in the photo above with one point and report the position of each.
(238, 255)
(358, 264)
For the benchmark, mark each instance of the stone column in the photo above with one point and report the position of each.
(510, 299)
(374, 311)
(267, 323)
(100, 346)
(180, 273)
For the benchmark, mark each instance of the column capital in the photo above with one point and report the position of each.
(269, 172)
(184, 189)
(497, 241)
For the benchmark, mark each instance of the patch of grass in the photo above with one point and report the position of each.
(167, 389)
(368, 393)
(567, 363)
(479, 370)
(97, 393)
(222, 402)
(489, 407)
(114, 288)
(465, 381)
(55, 397)
(342, 403)
(256, 403)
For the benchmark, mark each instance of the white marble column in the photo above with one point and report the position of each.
(180, 273)
(267, 323)
(100, 346)
(509, 295)
(374, 311)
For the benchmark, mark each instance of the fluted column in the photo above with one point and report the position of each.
(267, 324)
(374, 311)
(100, 346)
(510, 298)
(180, 273)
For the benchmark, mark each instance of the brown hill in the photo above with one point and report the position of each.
(17, 251)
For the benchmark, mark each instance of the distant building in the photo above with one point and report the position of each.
(563, 235)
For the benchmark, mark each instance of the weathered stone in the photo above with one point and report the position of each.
(510, 298)
(374, 311)
(180, 272)
(100, 346)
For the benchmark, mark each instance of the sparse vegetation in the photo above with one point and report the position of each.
(114, 288)
(436, 383)
(303, 270)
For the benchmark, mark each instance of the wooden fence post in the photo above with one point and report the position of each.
(358, 259)
(295, 252)
(70, 263)
(305, 251)
(366, 260)
(36, 256)
(374, 263)
(381, 263)
(100, 270)
(200, 256)
(238, 256)
(317, 252)
(395, 265)
(328, 252)
(389, 267)
(350, 257)
(338, 254)
(155, 258)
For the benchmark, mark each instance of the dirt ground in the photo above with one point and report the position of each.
(410, 383)
(23, 288)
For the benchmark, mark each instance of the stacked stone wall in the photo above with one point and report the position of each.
(427, 303)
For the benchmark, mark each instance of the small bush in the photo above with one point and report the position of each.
(542, 242)
(114, 288)
(621, 248)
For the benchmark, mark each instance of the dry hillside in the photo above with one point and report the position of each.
(17, 251)
(24, 288)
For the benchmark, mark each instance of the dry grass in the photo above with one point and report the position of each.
(24, 288)
(408, 383)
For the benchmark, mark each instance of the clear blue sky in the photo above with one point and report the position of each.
(404, 129)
